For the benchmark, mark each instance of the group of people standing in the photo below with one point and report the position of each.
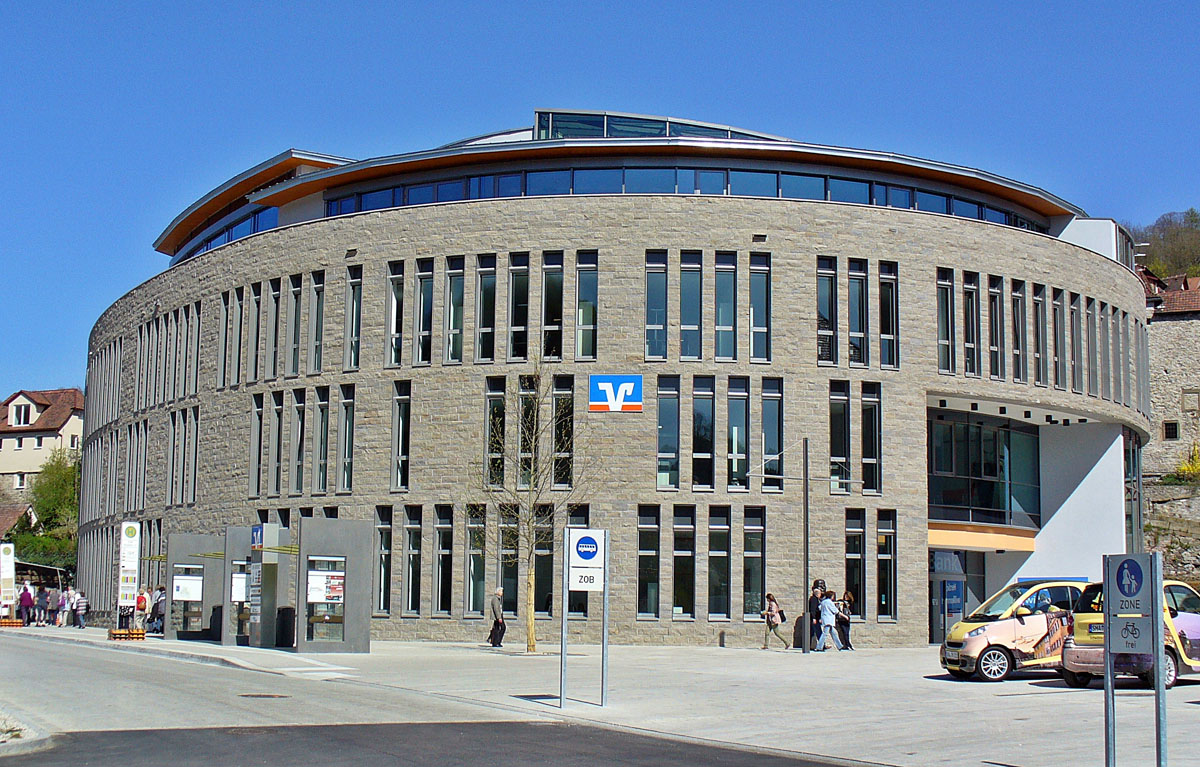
(41, 606)
(149, 609)
(828, 619)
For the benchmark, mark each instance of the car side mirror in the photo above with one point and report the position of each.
(1022, 611)
(1173, 612)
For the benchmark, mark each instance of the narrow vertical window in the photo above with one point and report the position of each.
(702, 431)
(423, 338)
(316, 319)
(485, 308)
(564, 431)
(552, 305)
(1126, 390)
(294, 326)
(872, 441)
(509, 541)
(353, 317)
(860, 346)
(839, 436)
(656, 304)
(528, 430)
(889, 315)
(684, 603)
(738, 452)
(1076, 345)
(668, 432)
(772, 433)
(1105, 368)
(275, 450)
(383, 568)
(321, 442)
(760, 306)
(996, 347)
(401, 405)
(754, 583)
(239, 298)
(827, 319)
(885, 576)
(648, 544)
(273, 330)
(412, 560)
(223, 342)
(945, 320)
(719, 596)
(690, 307)
(518, 306)
(495, 431)
(1115, 335)
(1058, 315)
(587, 299)
(296, 470)
(855, 575)
(543, 559)
(256, 431)
(395, 313)
(346, 439)
(1040, 355)
(1019, 341)
(454, 309)
(476, 558)
(191, 489)
(725, 329)
(1093, 382)
(255, 334)
(443, 542)
(971, 326)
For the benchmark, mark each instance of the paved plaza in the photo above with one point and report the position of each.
(889, 707)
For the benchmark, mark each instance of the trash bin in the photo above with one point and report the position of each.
(285, 627)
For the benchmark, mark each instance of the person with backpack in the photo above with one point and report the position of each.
(775, 617)
(158, 609)
(141, 609)
(81, 610)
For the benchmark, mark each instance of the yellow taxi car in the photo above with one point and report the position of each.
(1083, 652)
(1022, 626)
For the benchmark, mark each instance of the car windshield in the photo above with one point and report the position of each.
(993, 608)
(1091, 600)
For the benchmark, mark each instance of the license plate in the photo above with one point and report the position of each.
(951, 654)
(1096, 628)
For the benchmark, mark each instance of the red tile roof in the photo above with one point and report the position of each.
(57, 407)
(1179, 301)
(9, 514)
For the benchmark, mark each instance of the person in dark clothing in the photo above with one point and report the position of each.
(814, 613)
(496, 638)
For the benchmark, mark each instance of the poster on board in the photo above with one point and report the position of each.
(8, 574)
(127, 571)
(187, 588)
(326, 587)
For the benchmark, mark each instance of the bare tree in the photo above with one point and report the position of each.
(532, 471)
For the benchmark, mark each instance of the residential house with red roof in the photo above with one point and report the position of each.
(33, 423)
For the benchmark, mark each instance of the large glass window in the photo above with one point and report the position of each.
(564, 430)
(412, 560)
(772, 438)
(1040, 355)
(353, 317)
(587, 299)
(718, 562)
(238, 322)
(753, 570)
(738, 433)
(889, 315)
(1019, 345)
(454, 308)
(648, 537)
(476, 553)
(860, 349)
(885, 574)
(495, 433)
(1116, 354)
(726, 305)
(401, 409)
(656, 304)
(849, 190)
(543, 559)
(996, 348)
(702, 431)
(826, 310)
(945, 320)
(971, 352)
(690, 304)
(346, 439)
(839, 436)
(597, 181)
(544, 182)
(649, 181)
(485, 308)
(443, 541)
(753, 183)
(423, 320)
(802, 187)
(872, 441)
(760, 306)
(668, 432)
(855, 575)
(684, 604)
(395, 317)
(518, 306)
(552, 305)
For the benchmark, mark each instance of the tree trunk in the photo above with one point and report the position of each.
(530, 634)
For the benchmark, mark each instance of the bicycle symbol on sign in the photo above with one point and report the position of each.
(1130, 631)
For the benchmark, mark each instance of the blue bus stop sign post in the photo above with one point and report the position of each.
(585, 568)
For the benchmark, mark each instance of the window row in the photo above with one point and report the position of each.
(858, 313)
(886, 589)
(98, 479)
(541, 412)
(182, 455)
(679, 180)
(260, 221)
(1112, 364)
(168, 357)
(103, 394)
(870, 449)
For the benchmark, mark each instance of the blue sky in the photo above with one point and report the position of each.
(114, 119)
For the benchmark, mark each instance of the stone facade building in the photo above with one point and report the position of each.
(965, 355)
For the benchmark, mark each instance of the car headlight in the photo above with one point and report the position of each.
(976, 632)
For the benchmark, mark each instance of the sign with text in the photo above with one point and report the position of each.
(615, 393)
(1127, 585)
(8, 574)
(585, 560)
(254, 592)
(127, 571)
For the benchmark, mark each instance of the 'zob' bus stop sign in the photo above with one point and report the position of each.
(585, 559)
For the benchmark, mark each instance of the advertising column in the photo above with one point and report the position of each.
(8, 579)
(127, 571)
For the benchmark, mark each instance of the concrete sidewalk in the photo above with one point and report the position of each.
(893, 707)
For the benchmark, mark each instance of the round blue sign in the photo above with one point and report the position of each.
(586, 547)
(1129, 578)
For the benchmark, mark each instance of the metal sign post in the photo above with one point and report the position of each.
(604, 632)
(562, 642)
(585, 568)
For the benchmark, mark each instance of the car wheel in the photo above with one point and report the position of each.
(958, 673)
(994, 664)
(1076, 679)
(1170, 669)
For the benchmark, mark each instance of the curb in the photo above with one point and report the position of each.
(38, 736)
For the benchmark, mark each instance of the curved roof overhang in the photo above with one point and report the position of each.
(1028, 196)
(199, 212)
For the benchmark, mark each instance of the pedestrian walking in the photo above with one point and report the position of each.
(775, 617)
(814, 612)
(141, 609)
(158, 609)
(72, 597)
(52, 600)
(496, 638)
(81, 610)
(25, 605)
(64, 606)
(845, 610)
(829, 614)
(43, 604)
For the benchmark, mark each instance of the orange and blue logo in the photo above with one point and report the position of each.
(612, 393)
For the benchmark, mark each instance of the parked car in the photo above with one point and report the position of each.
(1083, 653)
(1022, 626)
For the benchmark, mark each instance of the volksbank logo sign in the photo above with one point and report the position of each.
(615, 393)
